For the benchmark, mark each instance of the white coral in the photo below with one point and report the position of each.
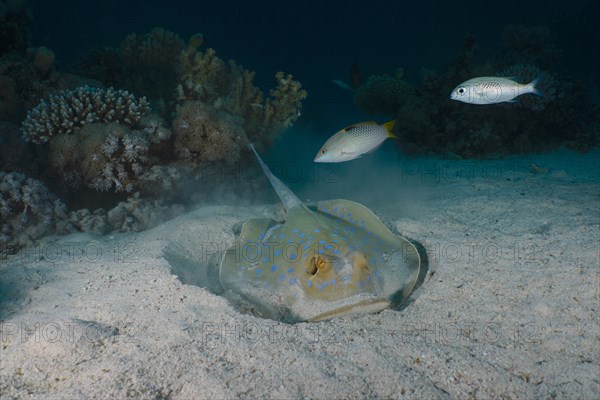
(71, 109)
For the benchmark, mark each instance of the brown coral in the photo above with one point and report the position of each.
(229, 87)
(107, 156)
(205, 134)
(150, 63)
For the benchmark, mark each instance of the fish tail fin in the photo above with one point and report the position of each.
(535, 87)
(389, 127)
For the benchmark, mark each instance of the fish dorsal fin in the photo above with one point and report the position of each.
(349, 127)
(287, 197)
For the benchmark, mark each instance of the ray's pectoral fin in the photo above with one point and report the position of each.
(363, 218)
(244, 252)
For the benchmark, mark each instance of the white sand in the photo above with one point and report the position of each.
(511, 310)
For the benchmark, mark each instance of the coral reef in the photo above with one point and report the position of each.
(382, 94)
(73, 109)
(428, 122)
(529, 45)
(204, 134)
(27, 79)
(107, 156)
(133, 215)
(279, 112)
(150, 63)
(28, 211)
(92, 139)
(103, 64)
(229, 87)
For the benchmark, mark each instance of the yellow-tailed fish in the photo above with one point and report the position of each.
(492, 90)
(354, 141)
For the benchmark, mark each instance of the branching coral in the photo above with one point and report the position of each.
(150, 63)
(203, 76)
(73, 109)
(107, 156)
(279, 112)
(382, 94)
(205, 134)
(28, 211)
(228, 87)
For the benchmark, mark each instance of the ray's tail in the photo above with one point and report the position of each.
(288, 198)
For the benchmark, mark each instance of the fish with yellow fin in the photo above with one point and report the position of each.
(354, 141)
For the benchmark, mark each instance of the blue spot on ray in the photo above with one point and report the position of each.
(273, 268)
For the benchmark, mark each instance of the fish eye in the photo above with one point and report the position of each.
(461, 90)
(323, 151)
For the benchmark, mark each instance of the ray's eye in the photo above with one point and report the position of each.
(461, 90)
(323, 151)
(317, 263)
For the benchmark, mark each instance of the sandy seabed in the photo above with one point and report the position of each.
(509, 307)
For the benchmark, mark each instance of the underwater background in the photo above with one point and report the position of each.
(79, 156)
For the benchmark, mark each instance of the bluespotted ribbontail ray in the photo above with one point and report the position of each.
(336, 258)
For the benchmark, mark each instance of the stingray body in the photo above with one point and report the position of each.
(332, 259)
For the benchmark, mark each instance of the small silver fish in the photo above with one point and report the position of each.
(354, 141)
(492, 90)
